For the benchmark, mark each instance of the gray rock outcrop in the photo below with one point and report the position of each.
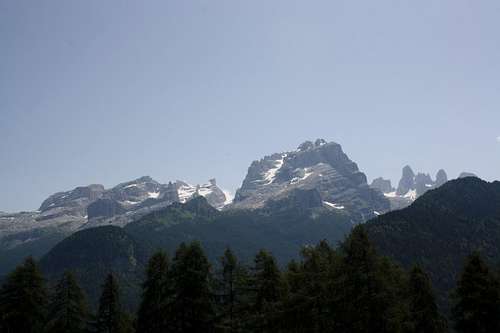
(320, 165)
(410, 186)
(407, 181)
(441, 178)
(383, 185)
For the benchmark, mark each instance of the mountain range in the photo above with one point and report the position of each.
(319, 165)
(287, 201)
(411, 186)
(437, 231)
(63, 213)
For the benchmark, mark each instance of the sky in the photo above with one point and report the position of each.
(107, 91)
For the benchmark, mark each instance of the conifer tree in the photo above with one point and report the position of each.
(110, 315)
(311, 291)
(423, 311)
(296, 302)
(294, 276)
(269, 292)
(23, 300)
(232, 290)
(319, 265)
(68, 310)
(156, 296)
(193, 307)
(357, 284)
(369, 289)
(477, 298)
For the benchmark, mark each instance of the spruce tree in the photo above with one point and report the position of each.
(477, 298)
(156, 296)
(228, 289)
(110, 315)
(306, 305)
(193, 307)
(68, 310)
(296, 303)
(369, 289)
(357, 284)
(319, 265)
(23, 300)
(269, 292)
(232, 293)
(423, 311)
(294, 276)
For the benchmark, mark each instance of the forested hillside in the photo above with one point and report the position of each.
(441, 228)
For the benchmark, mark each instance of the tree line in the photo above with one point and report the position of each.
(348, 289)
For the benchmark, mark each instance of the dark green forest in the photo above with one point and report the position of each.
(346, 289)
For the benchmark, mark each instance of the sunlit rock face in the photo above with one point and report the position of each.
(316, 165)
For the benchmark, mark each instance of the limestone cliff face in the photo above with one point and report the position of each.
(383, 185)
(320, 165)
(410, 187)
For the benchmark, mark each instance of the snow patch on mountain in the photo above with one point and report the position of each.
(185, 192)
(270, 174)
(411, 194)
(391, 194)
(130, 202)
(229, 197)
(410, 187)
(214, 195)
(321, 166)
(333, 205)
(204, 191)
(154, 195)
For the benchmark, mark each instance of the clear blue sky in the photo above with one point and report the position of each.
(107, 91)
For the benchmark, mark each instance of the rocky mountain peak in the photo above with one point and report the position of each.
(214, 195)
(306, 145)
(144, 181)
(320, 165)
(407, 181)
(320, 142)
(423, 182)
(136, 191)
(383, 185)
(441, 177)
(94, 205)
(71, 201)
(410, 187)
